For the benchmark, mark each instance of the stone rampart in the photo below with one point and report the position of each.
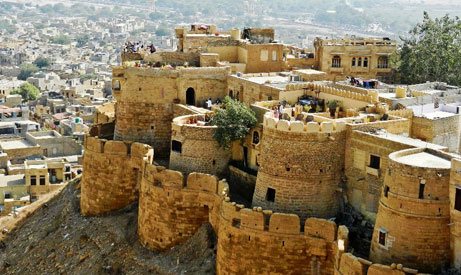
(110, 180)
(250, 241)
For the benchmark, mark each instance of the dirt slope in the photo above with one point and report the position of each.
(58, 240)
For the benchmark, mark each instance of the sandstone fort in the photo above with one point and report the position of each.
(330, 135)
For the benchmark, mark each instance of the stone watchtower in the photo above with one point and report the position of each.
(144, 108)
(300, 167)
(412, 225)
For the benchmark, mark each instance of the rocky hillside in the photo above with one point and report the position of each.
(56, 239)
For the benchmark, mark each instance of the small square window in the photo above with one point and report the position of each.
(382, 237)
(458, 199)
(270, 195)
(375, 161)
(386, 191)
(42, 180)
(176, 146)
(33, 180)
(422, 184)
(236, 223)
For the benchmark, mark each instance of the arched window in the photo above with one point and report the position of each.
(231, 94)
(365, 62)
(360, 62)
(354, 61)
(255, 137)
(383, 62)
(336, 62)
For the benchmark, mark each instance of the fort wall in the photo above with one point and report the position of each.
(195, 148)
(255, 241)
(413, 217)
(455, 213)
(110, 180)
(300, 167)
(250, 241)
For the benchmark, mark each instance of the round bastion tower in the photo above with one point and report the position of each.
(193, 148)
(300, 167)
(144, 108)
(412, 224)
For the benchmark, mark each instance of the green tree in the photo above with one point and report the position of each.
(82, 40)
(234, 122)
(41, 62)
(60, 39)
(27, 92)
(27, 70)
(84, 77)
(432, 52)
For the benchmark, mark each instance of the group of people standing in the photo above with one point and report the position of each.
(134, 47)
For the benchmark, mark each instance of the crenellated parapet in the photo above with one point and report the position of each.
(110, 180)
(300, 126)
(194, 149)
(349, 93)
(349, 264)
(256, 241)
(404, 113)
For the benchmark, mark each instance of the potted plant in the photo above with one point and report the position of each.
(332, 105)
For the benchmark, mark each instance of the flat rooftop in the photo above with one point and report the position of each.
(424, 159)
(15, 144)
(407, 140)
(11, 180)
(309, 71)
(269, 79)
(434, 115)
